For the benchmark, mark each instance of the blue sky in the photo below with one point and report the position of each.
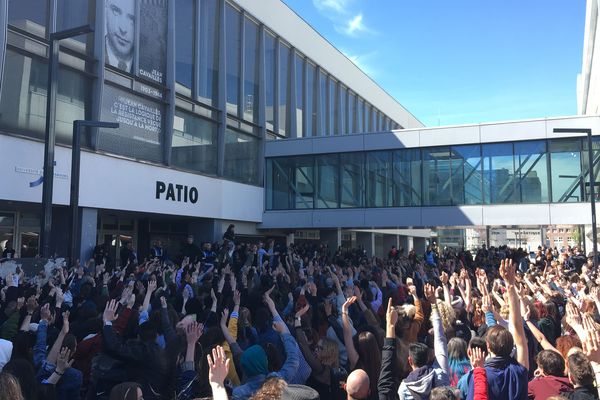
(461, 61)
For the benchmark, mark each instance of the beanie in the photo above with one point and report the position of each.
(254, 361)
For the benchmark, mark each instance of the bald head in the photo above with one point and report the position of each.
(357, 385)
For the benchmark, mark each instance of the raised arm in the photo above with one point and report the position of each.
(539, 336)
(55, 350)
(507, 271)
(387, 385)
(348, 342)
(439, 339)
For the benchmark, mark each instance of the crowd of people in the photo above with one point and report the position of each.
(242, 321)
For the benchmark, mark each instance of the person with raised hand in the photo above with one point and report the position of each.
(144, 358)
(507, 377)
(425, 376)
(387, 385)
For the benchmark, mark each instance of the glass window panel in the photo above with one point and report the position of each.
(407, 178)
(232, 58)
(436, 176)
(368, 118)
(343, 119)
(360, 112)
(241, 157)
(379, 179)
(352, 180)
(498, 173)
(596, 169)
(311, 99)
(566, 172)
(26, 113)
(284, 92)
(251, 71)
(184, 42)
(351, 112)
(327, 178)
(270, 65)
(194, 143)
(299, 80)
(323, 131)
(7, 231)
(466, 175)
(29, 15)
(73, 13)
(531, 171)
(208, 54)
(333, 107)
(290, 183)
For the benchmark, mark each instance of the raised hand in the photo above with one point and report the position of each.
(163, 302)
(193, 332)
(237, 297)
(65, 326)
(476, 357)
(391, 315)
(507, 271)
(31, 305)
(430, 293)
(444, 278)
(45, 313)
(110, 312)
(224, 316)
(348, 303)
(218, 366)
(302, 311)
(62, 362)
(151, 286)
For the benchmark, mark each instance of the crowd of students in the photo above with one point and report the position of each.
(305, 322)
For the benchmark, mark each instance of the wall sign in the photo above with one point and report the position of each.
(176, 192)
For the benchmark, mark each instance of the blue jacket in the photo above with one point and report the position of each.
(287, 372)
(506, 378)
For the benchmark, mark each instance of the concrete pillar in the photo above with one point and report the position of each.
(366, 240)
(332, 237)
(88, 233)
(410, 243)
(420, 245)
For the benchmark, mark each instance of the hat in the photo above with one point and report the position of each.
(299, 392)
(254, 361)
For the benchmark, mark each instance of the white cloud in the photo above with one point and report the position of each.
(339, 6)
(355, 25)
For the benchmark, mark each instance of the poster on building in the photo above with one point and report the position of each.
(153, 39)
(140, 125)
(120, 37)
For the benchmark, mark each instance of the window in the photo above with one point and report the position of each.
(311, 99)
(73, 13)
(299, 81)
(466, 175)
(284, 92)
(194, 143)
(232, 58)
(343, 119)
(323, 131)
(351, 112)
(208, 55)
(360, 113)
(333, 107)
(26, 113)
(407, 178)
(531, 171)
(436, 176)
(29, 15)
(352, 180)
(184, 42)
(241, 157)
(379, 179)
(327, 181)
(251, 71)
(565, 167)
(498, 173)
(290, 183)
(270, 76)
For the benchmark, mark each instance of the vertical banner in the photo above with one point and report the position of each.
(119, 38)
(153, 40)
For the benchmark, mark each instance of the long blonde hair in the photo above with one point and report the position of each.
(10, 389)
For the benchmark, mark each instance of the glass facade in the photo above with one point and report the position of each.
(221, 56)
(538, 171)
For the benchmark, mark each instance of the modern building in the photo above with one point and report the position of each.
(237, 111)
(197, 86)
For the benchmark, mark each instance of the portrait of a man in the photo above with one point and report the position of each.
(120, 33)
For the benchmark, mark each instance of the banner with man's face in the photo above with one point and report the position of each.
(120, 38)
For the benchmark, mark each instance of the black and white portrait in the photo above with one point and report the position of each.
(120, 33)
(153, 39)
